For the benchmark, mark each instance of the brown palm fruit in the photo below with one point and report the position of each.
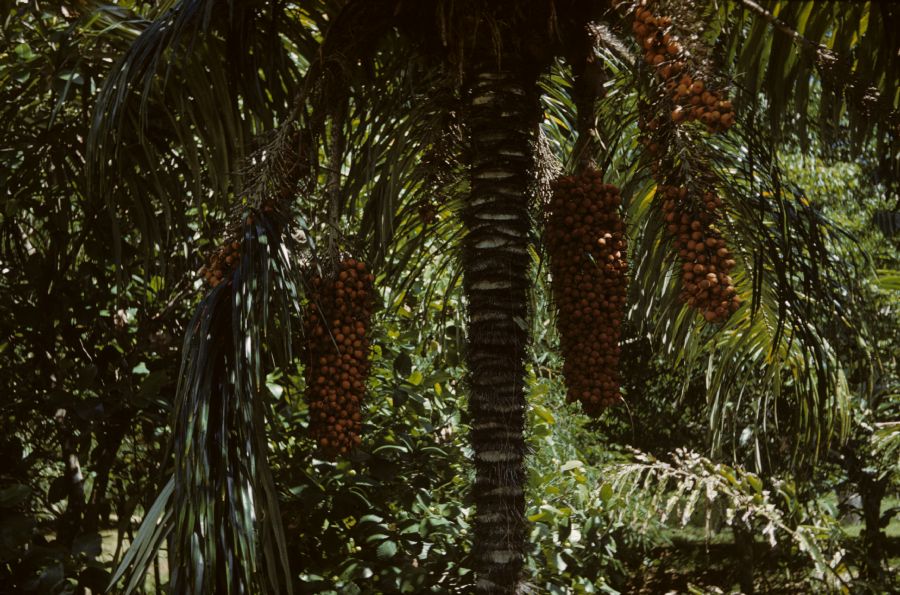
(706, 261)
(221, 262)
(665, 53)
(585, 239)
(336, 355)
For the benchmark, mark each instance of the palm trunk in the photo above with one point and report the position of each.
(743, 541)
(69, 522)
(503, 116)
(872, 489)
(871, 492)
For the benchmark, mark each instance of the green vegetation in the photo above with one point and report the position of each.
(178, 177)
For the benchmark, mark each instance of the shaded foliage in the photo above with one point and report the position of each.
(138, 131)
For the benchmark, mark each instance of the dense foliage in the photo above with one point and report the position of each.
(169, 429)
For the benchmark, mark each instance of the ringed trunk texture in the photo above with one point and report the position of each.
(503, 114)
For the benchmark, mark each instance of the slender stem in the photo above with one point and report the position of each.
(335, 162)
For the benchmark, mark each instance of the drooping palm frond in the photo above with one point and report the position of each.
(773, 358)
(794, 290)
(408, 181)
(804, 68)
(154, 530)
(387, 154)
(825, 69)
(176, 115)
(220, 510)
(777, 347)
(850, 48)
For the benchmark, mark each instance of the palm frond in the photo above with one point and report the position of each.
(392, 171)
(788, 277)
(830, 63)
(155, 529)
(221, 507)
(773, 359)
(177, 112)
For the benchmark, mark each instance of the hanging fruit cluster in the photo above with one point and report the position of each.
(585, 238)
(226, 257)
(706, 283)
(336, 355)
(221, 262)
(691, 98)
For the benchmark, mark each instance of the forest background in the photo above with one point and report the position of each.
(757, 455)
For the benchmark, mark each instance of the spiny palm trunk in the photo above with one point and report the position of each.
(502, 118)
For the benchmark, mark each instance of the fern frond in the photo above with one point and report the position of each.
(678, 489)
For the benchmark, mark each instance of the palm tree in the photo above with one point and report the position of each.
(370, 87)
(502, 118)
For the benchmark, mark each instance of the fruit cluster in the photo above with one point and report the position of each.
(585, 238)
(226, 257)
(221, 262)
(336, 355)
(690, 95)
(706, 261)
